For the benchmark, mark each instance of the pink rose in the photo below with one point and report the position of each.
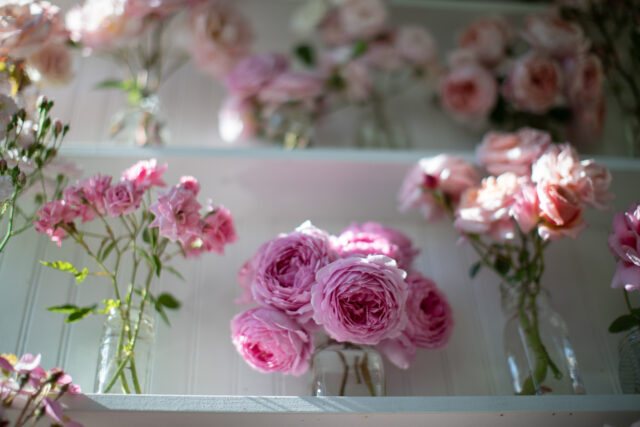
(561, 211)
(26, 25)
(51, 216)
(218, 229)
(584, 78)
(468, 92)
(533, 83)
(146, 174)
(254, 72)
(515, 152)
(559, 164)
(371, 238)
(486, 209)
(270, 341)
(554, 36)
(292, 87)
(190, 183)
(177, 214)
(487, 38)
(451, 175)
(595, 183)
(525, 209)
(285, 270)
(74, 197)
(54, 62)
(123, 198)
(627, 276)
(94, 189)
(361, 300)
(237, 120)
(430, 317)
(363, 19)
(401, 351)
(624, 243)
(416, 45)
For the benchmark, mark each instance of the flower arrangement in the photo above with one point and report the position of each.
(32, 391)
(358, 287)
(136, 229)
(545, 77)
(537, 193)
(136, 34)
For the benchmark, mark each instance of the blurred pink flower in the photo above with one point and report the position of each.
(54, 63)
(177, 214)
(360, 300)
(331, 30)
(561, 212)
(625, 245)
(526, 208)
(245, 277)
(515, 152)
(270, 341)
(122, 198)
(358, 81)
(27, 363)
(218, 230)
(627, 276)
(146, 174)
(51, 215)
(190, 183)
(468, 93)
(254, 72)
(554, 36)
(292, 87)
(594, 185)
(416, 45)
(487, 39)
(158, 8)
(559, 164)
(383, 55)
(25, 25)
(583, 82)
(362, 19)
(533, 83)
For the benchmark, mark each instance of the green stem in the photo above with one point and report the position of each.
(8, 234)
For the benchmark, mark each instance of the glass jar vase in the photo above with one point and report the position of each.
(629, 365)
(540, 358)
(119, 369)
(375, 129)
(345, 369)
(142, 122)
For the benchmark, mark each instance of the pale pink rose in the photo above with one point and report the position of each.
(554, 36)
(515, 152)
(416, 45)
(533, 83)
(372, 238)
(146, 174)
(400, 351)
(270, 341)
(584, 78)
(361, 300)
(218, 229)
(237, 120)
(430, 316)
(158, 8)
(587, 122)
(384, 56)
(561, 212)
(451, 175)
(285, 270)
(627, 276)
(526, 208)
(357, 80)
(292, 86)
(123, 198)
(486, 209)
(177, 214)
(254, 72)
(54, 62)
(245, 277)
(25, 25)
(51, 216)
(221, 36)
(595, 183)
(468, 93)
(94, 189)
(331, 30)
(624, 243)
(363, 19)
(190, 183)
(559, 164)
(487, 38)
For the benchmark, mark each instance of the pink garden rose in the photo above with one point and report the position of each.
(595, 183)
(584, 78)
(51, 216)
(285, 270)
(372, 238)
(94, 189)
(237, 120)
(123, 198)
(416, 45)
(554, 36)
(625, 245)
(54, 63)
(362, 19)
(515, 152)
(400, 351)
(190, 183)
(468, 92)
(254, 72)
(487, 38)
(292, 86)
(534, 83)
(448, 174)
(561, 211)
(525, 209)
(177, 214)
(270, 341)
(146, 174)
(360, 300)
(218, 230)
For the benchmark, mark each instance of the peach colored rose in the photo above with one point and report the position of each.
(554, 36)
(584, 78)
(54, 62)
(533, 83)
(468, 92)
(416, 45)
(515, 152)
(595, 183)
(363, 19)
(559, 164)
(560, 210)
(487, 38)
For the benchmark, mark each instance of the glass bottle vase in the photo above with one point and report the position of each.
(117, 371)
(141, 122)
(629, 365)
(345, 369)
(376, 129)
(540, 358)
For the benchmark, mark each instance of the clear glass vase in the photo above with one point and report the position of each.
(292, 126)
(345, 369)
(375, 129)
(142, 123)
(629, 365)
(117, 372)
(540, 358)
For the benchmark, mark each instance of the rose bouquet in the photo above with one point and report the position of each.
(33, 392)
(546, 78)
(358, 288)
(132, 228)
(136, 34)
(537, 194)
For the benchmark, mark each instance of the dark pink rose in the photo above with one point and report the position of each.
(372, 238)
(515, 152)
(554, 36)
(533, 83)
(583, 82)
(561, 212)
(430, 317)
(219, 230)
(487, 38)
(177, 214)
(625, 246)
(254, 72)
(361, 300)
(123, 198)
(401, 351)
(285, 270)
(468, 92)
(146, 174)
(270, 341)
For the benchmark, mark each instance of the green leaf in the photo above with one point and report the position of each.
(473, 271)
(623, 323)
(125, 85)
(174, 272)
(501, 265)
(107, 250)
(359, 48)
(146, 236)
(79, 314)
(169, 301)
(66, 267)
(157, 264)
(162, 314)
(81, 275)
(306, 54)
(66, 308)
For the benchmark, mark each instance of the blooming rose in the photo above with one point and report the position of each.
(292, 87)
(94, 189)
(363, 19)
(254, 72)
(515, 152)
(54, 62)
(285, 269)
(270, 341)
(218, 229)
(554, 36)
(146, 174)
(596, 180)
(25, 25)
(190, 183)
(468, 92)
(525, 209)
(123, 198)
(372, 238)
(486, 209)
(487, 39)
(177, 214)
(237, 120)
(584, 77)
(416, 45)
(625, 245)
(361, 300)
(451, 175)
(533, 83)
(561, 211)
(51, 216)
